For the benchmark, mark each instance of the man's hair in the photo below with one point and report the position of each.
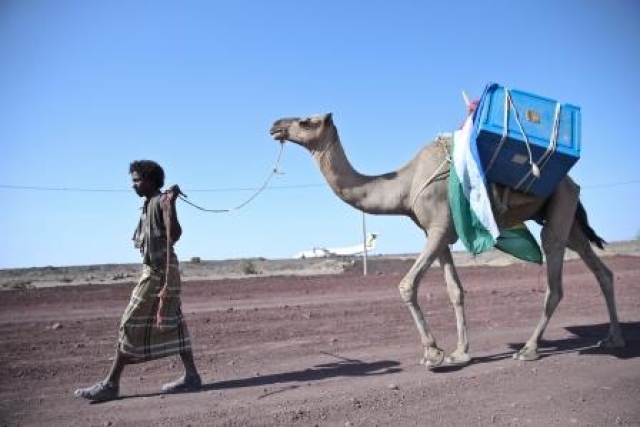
(149, 170)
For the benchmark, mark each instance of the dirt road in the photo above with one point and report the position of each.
(332, 350)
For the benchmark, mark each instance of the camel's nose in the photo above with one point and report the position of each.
(274, 129)
(280, 127)
(278, 132)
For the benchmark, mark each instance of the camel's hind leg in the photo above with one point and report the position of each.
(555, 255)
(579, 243)
(433, 356)
(559, 218)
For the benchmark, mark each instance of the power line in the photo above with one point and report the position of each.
(612, 184)
(231, 189)
(45, 188)
(111, 190)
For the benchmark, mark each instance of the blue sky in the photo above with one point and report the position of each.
(88, 86)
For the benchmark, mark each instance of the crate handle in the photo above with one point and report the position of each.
(553, 143)
(535, 170)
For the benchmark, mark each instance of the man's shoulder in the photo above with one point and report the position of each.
(156, 202)
(157, 198)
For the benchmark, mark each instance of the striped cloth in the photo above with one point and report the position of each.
(468, 197)
(139, 336)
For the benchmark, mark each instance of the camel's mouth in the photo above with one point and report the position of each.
(278, 133)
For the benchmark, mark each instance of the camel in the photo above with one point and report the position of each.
(419, 190)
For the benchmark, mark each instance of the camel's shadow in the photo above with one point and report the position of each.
(343, 368)
(584, 341)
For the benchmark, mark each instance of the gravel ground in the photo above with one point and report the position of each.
(332, 349)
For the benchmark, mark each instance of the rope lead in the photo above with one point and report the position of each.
(274, 171)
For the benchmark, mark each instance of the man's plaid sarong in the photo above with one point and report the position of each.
(139, 336)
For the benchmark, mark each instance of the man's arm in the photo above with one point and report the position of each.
(174, 227)
(174, 230)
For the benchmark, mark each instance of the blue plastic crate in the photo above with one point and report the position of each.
(506, 160)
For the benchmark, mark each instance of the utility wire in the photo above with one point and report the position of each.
(108, 190)
(230, 189)
(45, 188)
(612, 184)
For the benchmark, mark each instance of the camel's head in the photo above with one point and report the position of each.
(310, 132)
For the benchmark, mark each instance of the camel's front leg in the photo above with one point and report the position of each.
(460, 356)
(433, 356)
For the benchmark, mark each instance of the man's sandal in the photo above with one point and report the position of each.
(99, 392)
(183, 384)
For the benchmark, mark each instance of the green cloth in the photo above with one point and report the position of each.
(470, 229)
(519, 242)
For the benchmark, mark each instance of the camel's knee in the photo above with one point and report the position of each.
(555, 293)
(553, 298)
(603, 274)
(454, 288)
(456, 295)
(408, 292)
(606, 279)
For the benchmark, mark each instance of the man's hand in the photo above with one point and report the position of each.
(162, 307)
(170, 216)
(172, 194)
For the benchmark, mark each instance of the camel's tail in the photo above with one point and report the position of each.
(581, 216)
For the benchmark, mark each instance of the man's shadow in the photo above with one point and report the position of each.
(584, 341)
(343, 368)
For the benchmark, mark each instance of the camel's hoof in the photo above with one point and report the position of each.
(457, 359)
(612, 341)
(433, 357)
(527, 355)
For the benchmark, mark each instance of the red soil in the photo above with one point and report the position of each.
(332, 350)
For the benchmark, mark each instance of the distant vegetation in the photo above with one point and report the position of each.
(248, 267)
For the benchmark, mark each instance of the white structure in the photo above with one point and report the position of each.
(319, 252)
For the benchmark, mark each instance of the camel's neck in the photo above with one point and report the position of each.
(381, 194)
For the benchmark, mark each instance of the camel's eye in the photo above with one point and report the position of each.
(305, 123)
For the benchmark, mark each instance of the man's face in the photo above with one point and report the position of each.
(141, 186)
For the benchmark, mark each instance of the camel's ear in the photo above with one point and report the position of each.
(328, 118)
